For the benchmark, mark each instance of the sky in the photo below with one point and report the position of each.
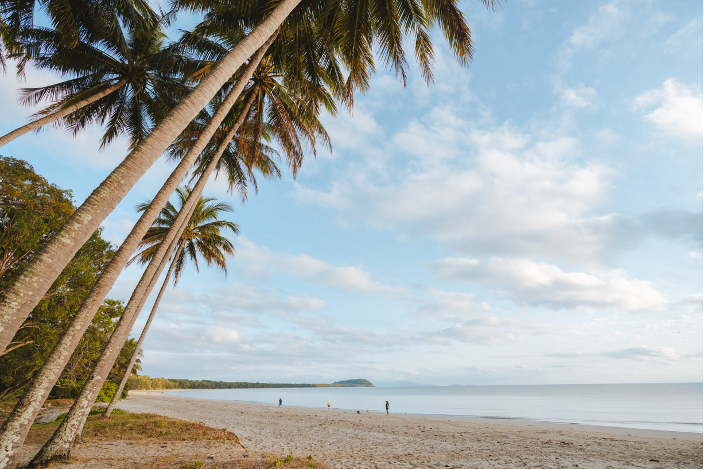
(533, 218)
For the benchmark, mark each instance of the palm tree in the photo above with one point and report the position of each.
(353, 47)
(15, 428)
(299, 117)
(24, 293)
(127, 82)
(202, 236)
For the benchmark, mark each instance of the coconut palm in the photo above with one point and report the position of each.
(15, 427)
(23, 294)
(201, 238)
(20, 297)
(127, 82)
(30, 286)
(73, 19)
(296, 117)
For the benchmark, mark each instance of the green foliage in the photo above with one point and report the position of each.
(202, 238)
(31, 211)
(279, 463)
(196, 464)
(136, 59)
(145, 382)
(106, 392)
(123, 360)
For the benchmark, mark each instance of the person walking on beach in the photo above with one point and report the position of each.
(328, 404)
(280, 402)
(387, 406)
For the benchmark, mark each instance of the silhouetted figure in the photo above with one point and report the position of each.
(387, 406)
(280, 402)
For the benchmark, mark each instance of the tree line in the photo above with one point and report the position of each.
(144, 382)
(239, 93)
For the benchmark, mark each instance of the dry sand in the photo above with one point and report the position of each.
(345, 439)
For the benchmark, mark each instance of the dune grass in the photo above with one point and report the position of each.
(146, 428)
(121, 426)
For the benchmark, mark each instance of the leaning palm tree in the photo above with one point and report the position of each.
(27, 290)
(16, 426)
(127, 82)
(375, 21)
(201, 238)
(300, 126)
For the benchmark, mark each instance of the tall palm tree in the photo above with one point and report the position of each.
(23, 294)
(294, 112)
(202, 236)
(15, 428)
(26, 291)
(126, 81)
(19, 299)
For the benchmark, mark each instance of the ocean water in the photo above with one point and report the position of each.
(666, 407)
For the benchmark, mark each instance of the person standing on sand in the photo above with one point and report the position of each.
(328, 404)
(387, 406)
(280, 402)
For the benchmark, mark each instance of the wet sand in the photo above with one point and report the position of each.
(345, 439)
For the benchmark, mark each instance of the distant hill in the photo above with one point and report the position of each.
(354, 383)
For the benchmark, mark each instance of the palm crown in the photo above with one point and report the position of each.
(202, 237)
(147, 72)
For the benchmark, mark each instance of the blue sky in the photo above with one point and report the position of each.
(535, 217)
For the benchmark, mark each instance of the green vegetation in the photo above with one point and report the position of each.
(122, 425)
(265, 70)
(145, 382)
(31, 210)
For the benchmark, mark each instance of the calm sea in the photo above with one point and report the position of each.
(667, 407)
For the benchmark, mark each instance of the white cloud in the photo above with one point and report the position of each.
(639, 353)
(606, 23)
(688, 36)
(579, 96)
(679, 111)
(493, 191)
(608, 136)
(354, 279)
(536, 283)
(457, 306)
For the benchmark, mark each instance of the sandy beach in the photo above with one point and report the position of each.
(346, 439)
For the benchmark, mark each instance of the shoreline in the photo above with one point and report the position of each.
(439, 415)
(346, 439)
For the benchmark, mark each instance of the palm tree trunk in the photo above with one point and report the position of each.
(26, 291)
(10, 136)
(14, 429)
(137, 348)
(59, 446)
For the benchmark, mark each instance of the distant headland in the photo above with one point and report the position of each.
(144, 382)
